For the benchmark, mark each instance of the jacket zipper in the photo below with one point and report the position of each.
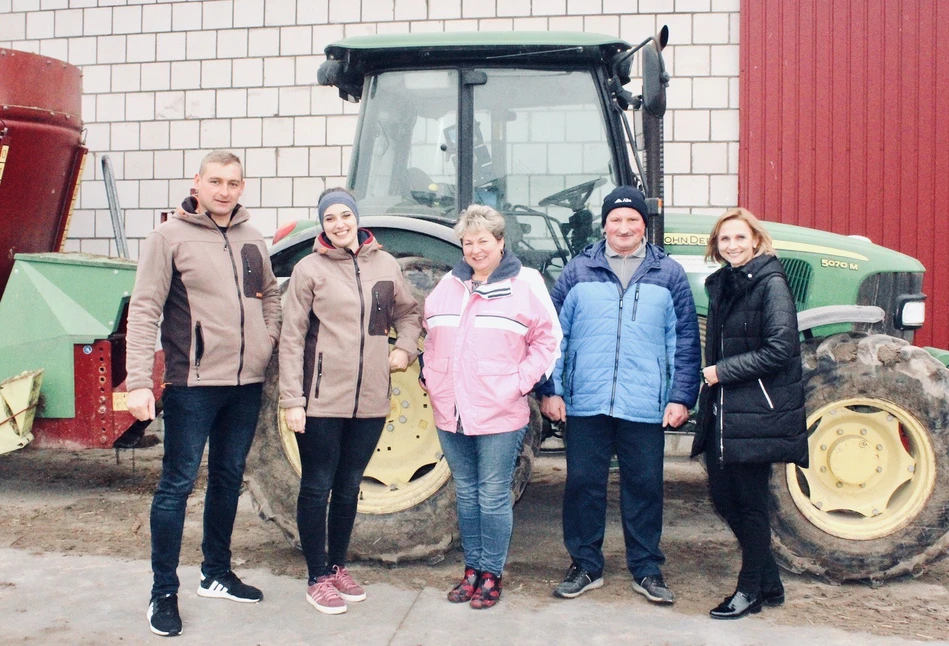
(198, 349)
(240, 301)
(721, 424)
(766, 396)
(319, 375)
(619, 334)
(362, 332)
(465, 300)
(619, 320)
(721, 401)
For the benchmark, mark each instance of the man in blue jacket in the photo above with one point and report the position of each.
(629, 367)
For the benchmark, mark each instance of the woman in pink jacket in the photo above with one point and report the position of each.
(493, 334)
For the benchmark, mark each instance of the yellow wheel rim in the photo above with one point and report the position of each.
(408, 466)
(872, 468)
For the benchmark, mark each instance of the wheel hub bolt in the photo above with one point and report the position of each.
(823, 469)
(879, 447)
(402, 419)
(840, 485)
(823, 447)
(911, 468)
(863, 485)
(405, 404)
(876, 512)
(819, 504)
(879, 469)
(863, 431)
(840, 431)
(390, 427)
(396, 391)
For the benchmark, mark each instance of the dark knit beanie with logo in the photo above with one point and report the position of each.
(625, 196)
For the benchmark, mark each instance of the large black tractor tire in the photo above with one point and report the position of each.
(874, 502)
(404, 515)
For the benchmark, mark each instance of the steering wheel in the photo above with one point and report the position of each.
(575, 197)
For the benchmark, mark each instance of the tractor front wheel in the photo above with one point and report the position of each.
(874, 502)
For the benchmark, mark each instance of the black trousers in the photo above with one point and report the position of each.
(740, 494)
(334, 454)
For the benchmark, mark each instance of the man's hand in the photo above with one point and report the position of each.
(676, 415)
(141, 403)
(296, 419)
(398, 360)
(553, 408)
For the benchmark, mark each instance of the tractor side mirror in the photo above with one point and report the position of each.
(333, 72)
(655, 77)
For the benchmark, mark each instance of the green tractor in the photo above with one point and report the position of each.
(541, 126)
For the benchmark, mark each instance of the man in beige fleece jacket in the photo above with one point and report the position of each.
(204, 277)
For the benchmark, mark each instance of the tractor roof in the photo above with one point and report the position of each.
(365, 53)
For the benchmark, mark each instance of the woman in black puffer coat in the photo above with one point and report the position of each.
(752, 404)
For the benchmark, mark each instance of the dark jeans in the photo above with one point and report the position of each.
(740, 494)
(591, 444)
(224, 418)
(334, 453)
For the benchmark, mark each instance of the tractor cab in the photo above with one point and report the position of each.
(532, 126)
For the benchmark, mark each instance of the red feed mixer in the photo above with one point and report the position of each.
(60, 313)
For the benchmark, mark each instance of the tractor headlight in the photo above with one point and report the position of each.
(910, 311)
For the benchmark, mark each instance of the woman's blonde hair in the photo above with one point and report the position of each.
(478, 217)
(763, 243)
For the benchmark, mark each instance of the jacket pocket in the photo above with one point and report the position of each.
(253, 271)
(767, 397)
(383, 293)
(571, 368)
(319, 375)
(498, 381)
(198, 349)
(635, 303)
(663, 383)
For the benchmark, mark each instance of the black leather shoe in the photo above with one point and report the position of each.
(772, 595)
(735, 606)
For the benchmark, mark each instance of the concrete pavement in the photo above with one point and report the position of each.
(63, 599)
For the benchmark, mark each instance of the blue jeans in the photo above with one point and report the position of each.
(225, 418)
(483, 469)
(334, 453)
(591, 444)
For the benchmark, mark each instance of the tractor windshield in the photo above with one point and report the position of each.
(535, 143)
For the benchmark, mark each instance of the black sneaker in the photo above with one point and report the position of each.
(162, 615)
(228, 586)
(654, 588)
(576, 583)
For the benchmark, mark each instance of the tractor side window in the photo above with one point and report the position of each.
(542, 157)
(406, 160)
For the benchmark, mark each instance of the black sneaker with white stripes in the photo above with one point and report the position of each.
(228, 586)
(162, 615)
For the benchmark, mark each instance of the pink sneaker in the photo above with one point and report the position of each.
(348, 589)
(322, 596)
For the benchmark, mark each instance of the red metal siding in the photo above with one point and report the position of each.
(845, 126)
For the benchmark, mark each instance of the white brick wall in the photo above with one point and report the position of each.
(164, 81)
